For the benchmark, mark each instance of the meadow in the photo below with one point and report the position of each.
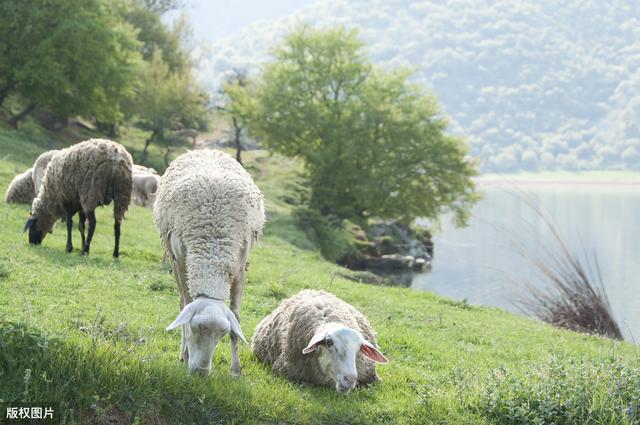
(86, 334)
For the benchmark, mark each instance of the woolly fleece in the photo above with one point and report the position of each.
(40, 166)
(82, 177)
(21, 190)
(281, 336)
(212, 206)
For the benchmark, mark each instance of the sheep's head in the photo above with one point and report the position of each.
(38, 227)
(40, 222)
(338, 349)
(205, 321)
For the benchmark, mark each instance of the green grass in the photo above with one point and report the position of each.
(86, 334)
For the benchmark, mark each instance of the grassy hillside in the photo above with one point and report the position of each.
(86, 335)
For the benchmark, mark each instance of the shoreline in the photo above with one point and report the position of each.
(628, 179)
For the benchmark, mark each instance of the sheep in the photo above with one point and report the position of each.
(79, 179)
(209, 213)
(145, 186)
(142, 169)
(21, 190)
(315, 337)
(40, 166)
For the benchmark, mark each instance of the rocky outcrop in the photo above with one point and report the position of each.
(389, 247)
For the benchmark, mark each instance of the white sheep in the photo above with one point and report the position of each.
(208, 212)
(79, 179)
(21, 190)
(145, 186)
(40, 166)
(317, 338)
(142, 169)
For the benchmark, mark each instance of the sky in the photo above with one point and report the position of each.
(214, 19)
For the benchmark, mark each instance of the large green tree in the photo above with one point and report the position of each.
(70, 57)
(373, 143)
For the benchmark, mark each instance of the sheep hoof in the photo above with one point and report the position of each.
(236, 375)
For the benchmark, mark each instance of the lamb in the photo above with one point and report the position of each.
(209, 213)
(145, 186)
(21, 190)
(40, 166)
(79, 179)
(315, 337)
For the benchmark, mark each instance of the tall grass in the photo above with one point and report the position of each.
(568, 290)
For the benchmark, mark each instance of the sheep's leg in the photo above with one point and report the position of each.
(82, 219)
(184, 351)
(180, 272)
(236, 299)
(91, 216)
(116, 232)
(69, 231)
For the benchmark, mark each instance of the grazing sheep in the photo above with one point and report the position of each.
(142, 169)
(315, 337)
(40, 166)
(145, 186)
(20, 190)
(208, 212)
(79, 179)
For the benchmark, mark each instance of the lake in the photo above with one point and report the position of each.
(480, 263)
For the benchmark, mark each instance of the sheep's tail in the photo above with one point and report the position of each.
(122, 188)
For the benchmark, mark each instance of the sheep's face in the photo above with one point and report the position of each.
(38, 227)
(337, 354)
(205, 321)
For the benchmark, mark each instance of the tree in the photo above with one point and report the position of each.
(67, 56)
(373, 144)
(156, 36)
(165, 99)
(238, 79)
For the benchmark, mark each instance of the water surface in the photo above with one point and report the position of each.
(481, 262)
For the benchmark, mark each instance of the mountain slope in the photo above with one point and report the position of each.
(531, 85)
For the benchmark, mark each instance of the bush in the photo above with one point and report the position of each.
(328, 233)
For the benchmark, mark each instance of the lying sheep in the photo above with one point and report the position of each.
(79, 179)
(145, 186)
(21, 190)
(208, 212)
(315, 337)
(40, 166)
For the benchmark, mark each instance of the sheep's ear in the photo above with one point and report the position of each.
(372, 353)
(29, 224)
(235, 327)
(184, 317)
(314, 343)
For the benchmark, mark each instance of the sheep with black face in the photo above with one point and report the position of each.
(79, 179)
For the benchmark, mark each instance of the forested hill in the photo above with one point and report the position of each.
(532, 84)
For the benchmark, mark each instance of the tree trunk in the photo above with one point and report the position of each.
(166, 156)
(146, 145)
(13, 122)
(238, 132)
(110, 129)
(167, 152)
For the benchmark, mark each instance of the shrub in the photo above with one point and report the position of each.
(328, 233)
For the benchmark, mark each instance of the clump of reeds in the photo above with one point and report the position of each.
(571, 293)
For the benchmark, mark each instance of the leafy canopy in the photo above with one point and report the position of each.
(71, 57)
(373, 143)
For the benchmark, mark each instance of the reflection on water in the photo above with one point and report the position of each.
(480, 262)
